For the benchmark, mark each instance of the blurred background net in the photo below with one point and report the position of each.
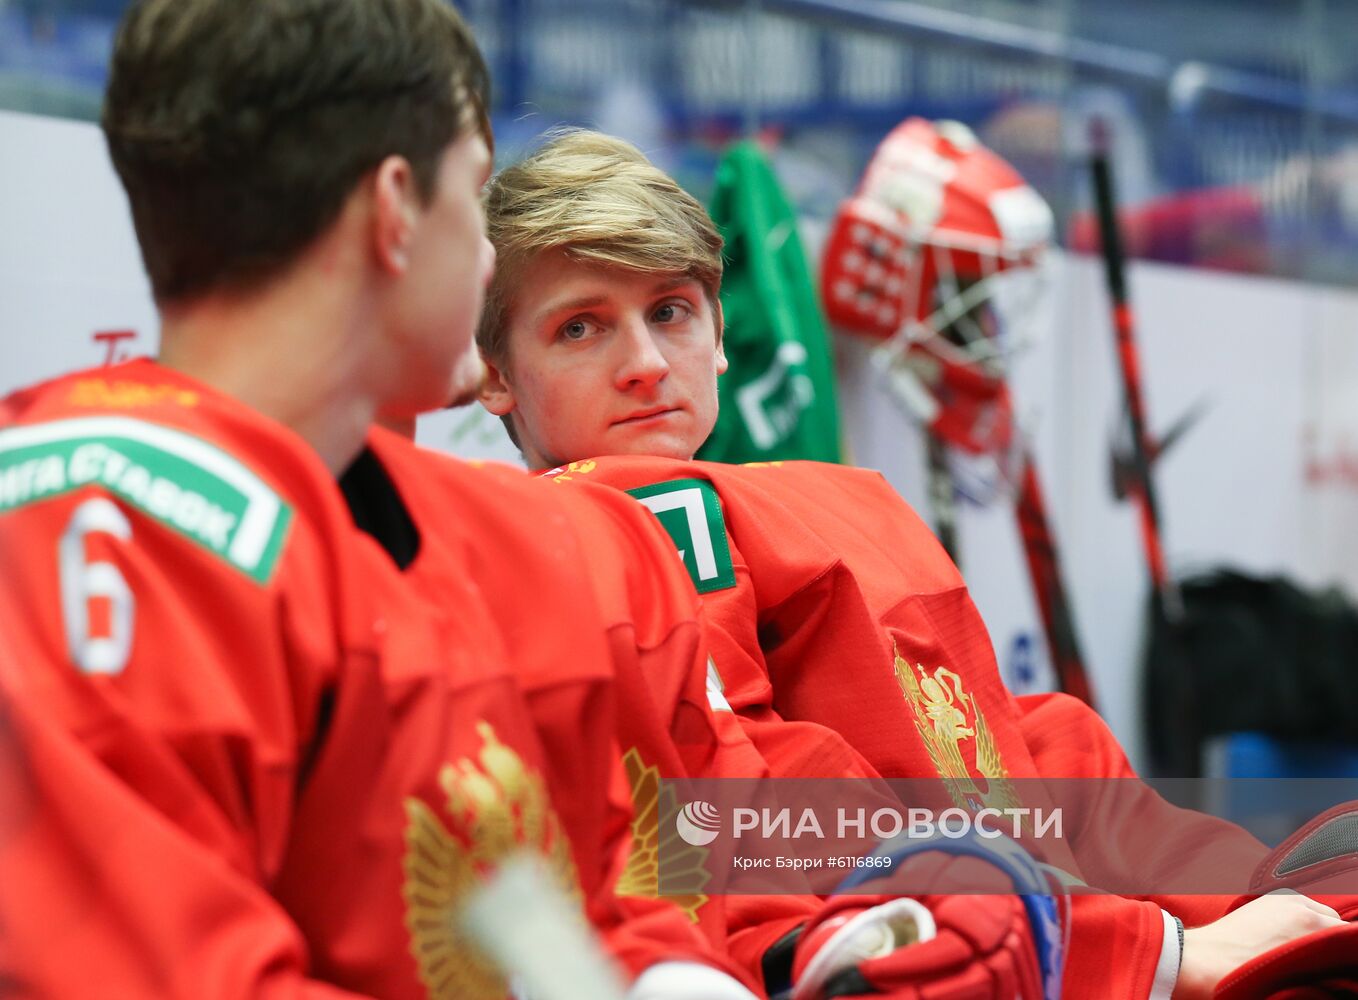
(1235, 122)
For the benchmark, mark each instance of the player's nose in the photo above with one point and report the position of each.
(641, 361)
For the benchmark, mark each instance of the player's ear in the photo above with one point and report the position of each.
(395, 213)
(721, 328)
(496, 394)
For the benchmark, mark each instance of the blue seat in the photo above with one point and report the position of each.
(1256, 755)
(1271, 786)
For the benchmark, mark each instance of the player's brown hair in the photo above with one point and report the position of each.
(598, 199)
(240, 127)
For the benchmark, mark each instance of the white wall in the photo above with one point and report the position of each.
(1268, 480)
(69, 266)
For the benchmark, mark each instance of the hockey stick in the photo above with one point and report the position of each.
(1165, 595)
(1039, 550)
(1039, 553)
(1179, 754)
(942, 496)
(1044, 569)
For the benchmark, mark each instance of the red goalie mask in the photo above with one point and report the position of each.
(917, 259)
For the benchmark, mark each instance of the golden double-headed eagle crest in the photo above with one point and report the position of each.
(684, 873)
(949, 722)
(494, 807)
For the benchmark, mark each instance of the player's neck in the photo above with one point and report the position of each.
(404, 426)
(296, 351)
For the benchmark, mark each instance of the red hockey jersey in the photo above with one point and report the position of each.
(827, 599)
(237, 755)
(588, 558)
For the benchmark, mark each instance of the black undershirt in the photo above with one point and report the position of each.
(377, 509)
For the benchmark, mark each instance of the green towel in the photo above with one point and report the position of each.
(778, 397)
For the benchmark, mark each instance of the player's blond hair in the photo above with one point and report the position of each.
(596, 198)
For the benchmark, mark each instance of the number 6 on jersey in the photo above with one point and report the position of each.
(105, 648)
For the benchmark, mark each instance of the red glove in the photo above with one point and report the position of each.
(935, 947)
(1320, 860)
(1321, 965)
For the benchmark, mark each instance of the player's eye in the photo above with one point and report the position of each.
(671, 312)
(577, 329)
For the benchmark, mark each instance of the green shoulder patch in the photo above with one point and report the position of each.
(189, 485)
(690, 510)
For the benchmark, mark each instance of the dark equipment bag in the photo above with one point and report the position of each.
(1251, 654)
